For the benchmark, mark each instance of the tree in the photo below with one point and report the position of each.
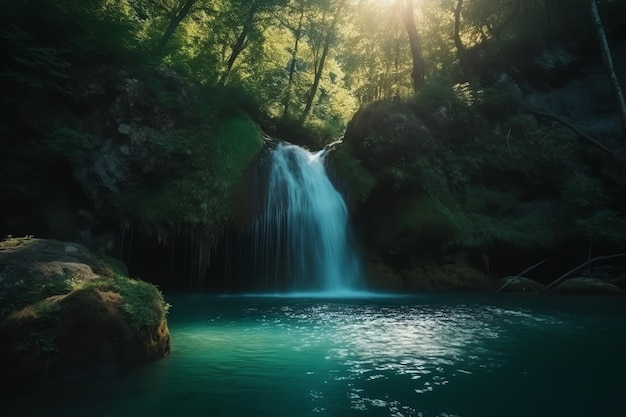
(181, 12)
(375, 55)
(608, 63)
(297, 32)
(250, 13)
(240, 42)
(320, 58)
(419, 66)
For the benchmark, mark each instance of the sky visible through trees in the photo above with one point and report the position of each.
(312, 62)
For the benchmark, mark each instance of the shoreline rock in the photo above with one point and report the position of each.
(65, 313)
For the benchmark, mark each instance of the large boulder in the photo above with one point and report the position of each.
(64, 312)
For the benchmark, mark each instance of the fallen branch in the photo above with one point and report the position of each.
(568, 273)
(530, 268)
(575, 129)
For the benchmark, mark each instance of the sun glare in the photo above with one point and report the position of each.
(383, 3)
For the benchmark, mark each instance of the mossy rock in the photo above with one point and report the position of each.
(199, 168)
(585, 285)
(519, 284)
(353, 179)
(382, 277)
(431, 276)
(386, 133)
(66, 313)
(404, 223)
(427, 276)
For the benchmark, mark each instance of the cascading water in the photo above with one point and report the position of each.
(302, 239)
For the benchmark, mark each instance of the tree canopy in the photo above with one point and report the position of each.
(308, 62)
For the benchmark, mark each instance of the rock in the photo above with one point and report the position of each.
(387, 135)
(519, 284)
(428, 276)
(447, 276)
(63, 312)
(587, 285)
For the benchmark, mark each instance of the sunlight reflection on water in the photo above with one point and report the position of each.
(378, 355)
(430, 356)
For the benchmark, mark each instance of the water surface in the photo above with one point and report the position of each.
(466, 355)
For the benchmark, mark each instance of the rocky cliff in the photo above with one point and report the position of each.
(482, 179)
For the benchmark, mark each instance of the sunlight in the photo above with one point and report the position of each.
(384, 3)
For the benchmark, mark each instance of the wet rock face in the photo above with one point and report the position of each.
(90, 144)
(121, 135)
(66, 313)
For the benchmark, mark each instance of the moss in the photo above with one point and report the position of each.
(359, 182)
(68, 142)
(20, 289)
(142, 302)
(33, 291)
(604, 225)
(411, 215)
(11, 241)
(198, 172)
(501, 178)
(109, 266)
(501, 101)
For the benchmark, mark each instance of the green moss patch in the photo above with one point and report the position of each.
(195, 179)
(66, 319)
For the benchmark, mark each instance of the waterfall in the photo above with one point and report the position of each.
(301, 240)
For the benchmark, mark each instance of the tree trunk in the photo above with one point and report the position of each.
(419, 66)
(239, 44)
(171, 28)
(320, 67)
(460, 48)
(461, 51)
(608, 64)
(292, 66)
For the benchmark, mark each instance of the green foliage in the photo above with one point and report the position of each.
(222, 102)
(359, 182)
(46, 38)
(529, 225)
(590, 205)
(68, 142)
(413, 217)
(143, 303)
(533, 192)
(604, 225)
(109, 266)
(33, 65)
(584, 192)
(501, 101)
(45, 44)
(512, 205)
(27, 290)
(198, 171)
(21, 288)
(37, 340)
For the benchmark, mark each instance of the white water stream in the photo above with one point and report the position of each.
(302, 239)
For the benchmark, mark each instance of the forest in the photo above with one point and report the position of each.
(460, 130)
(313, 207)
(301, 63)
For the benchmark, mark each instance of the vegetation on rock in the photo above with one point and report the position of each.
(65, 312)
(153, 112)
